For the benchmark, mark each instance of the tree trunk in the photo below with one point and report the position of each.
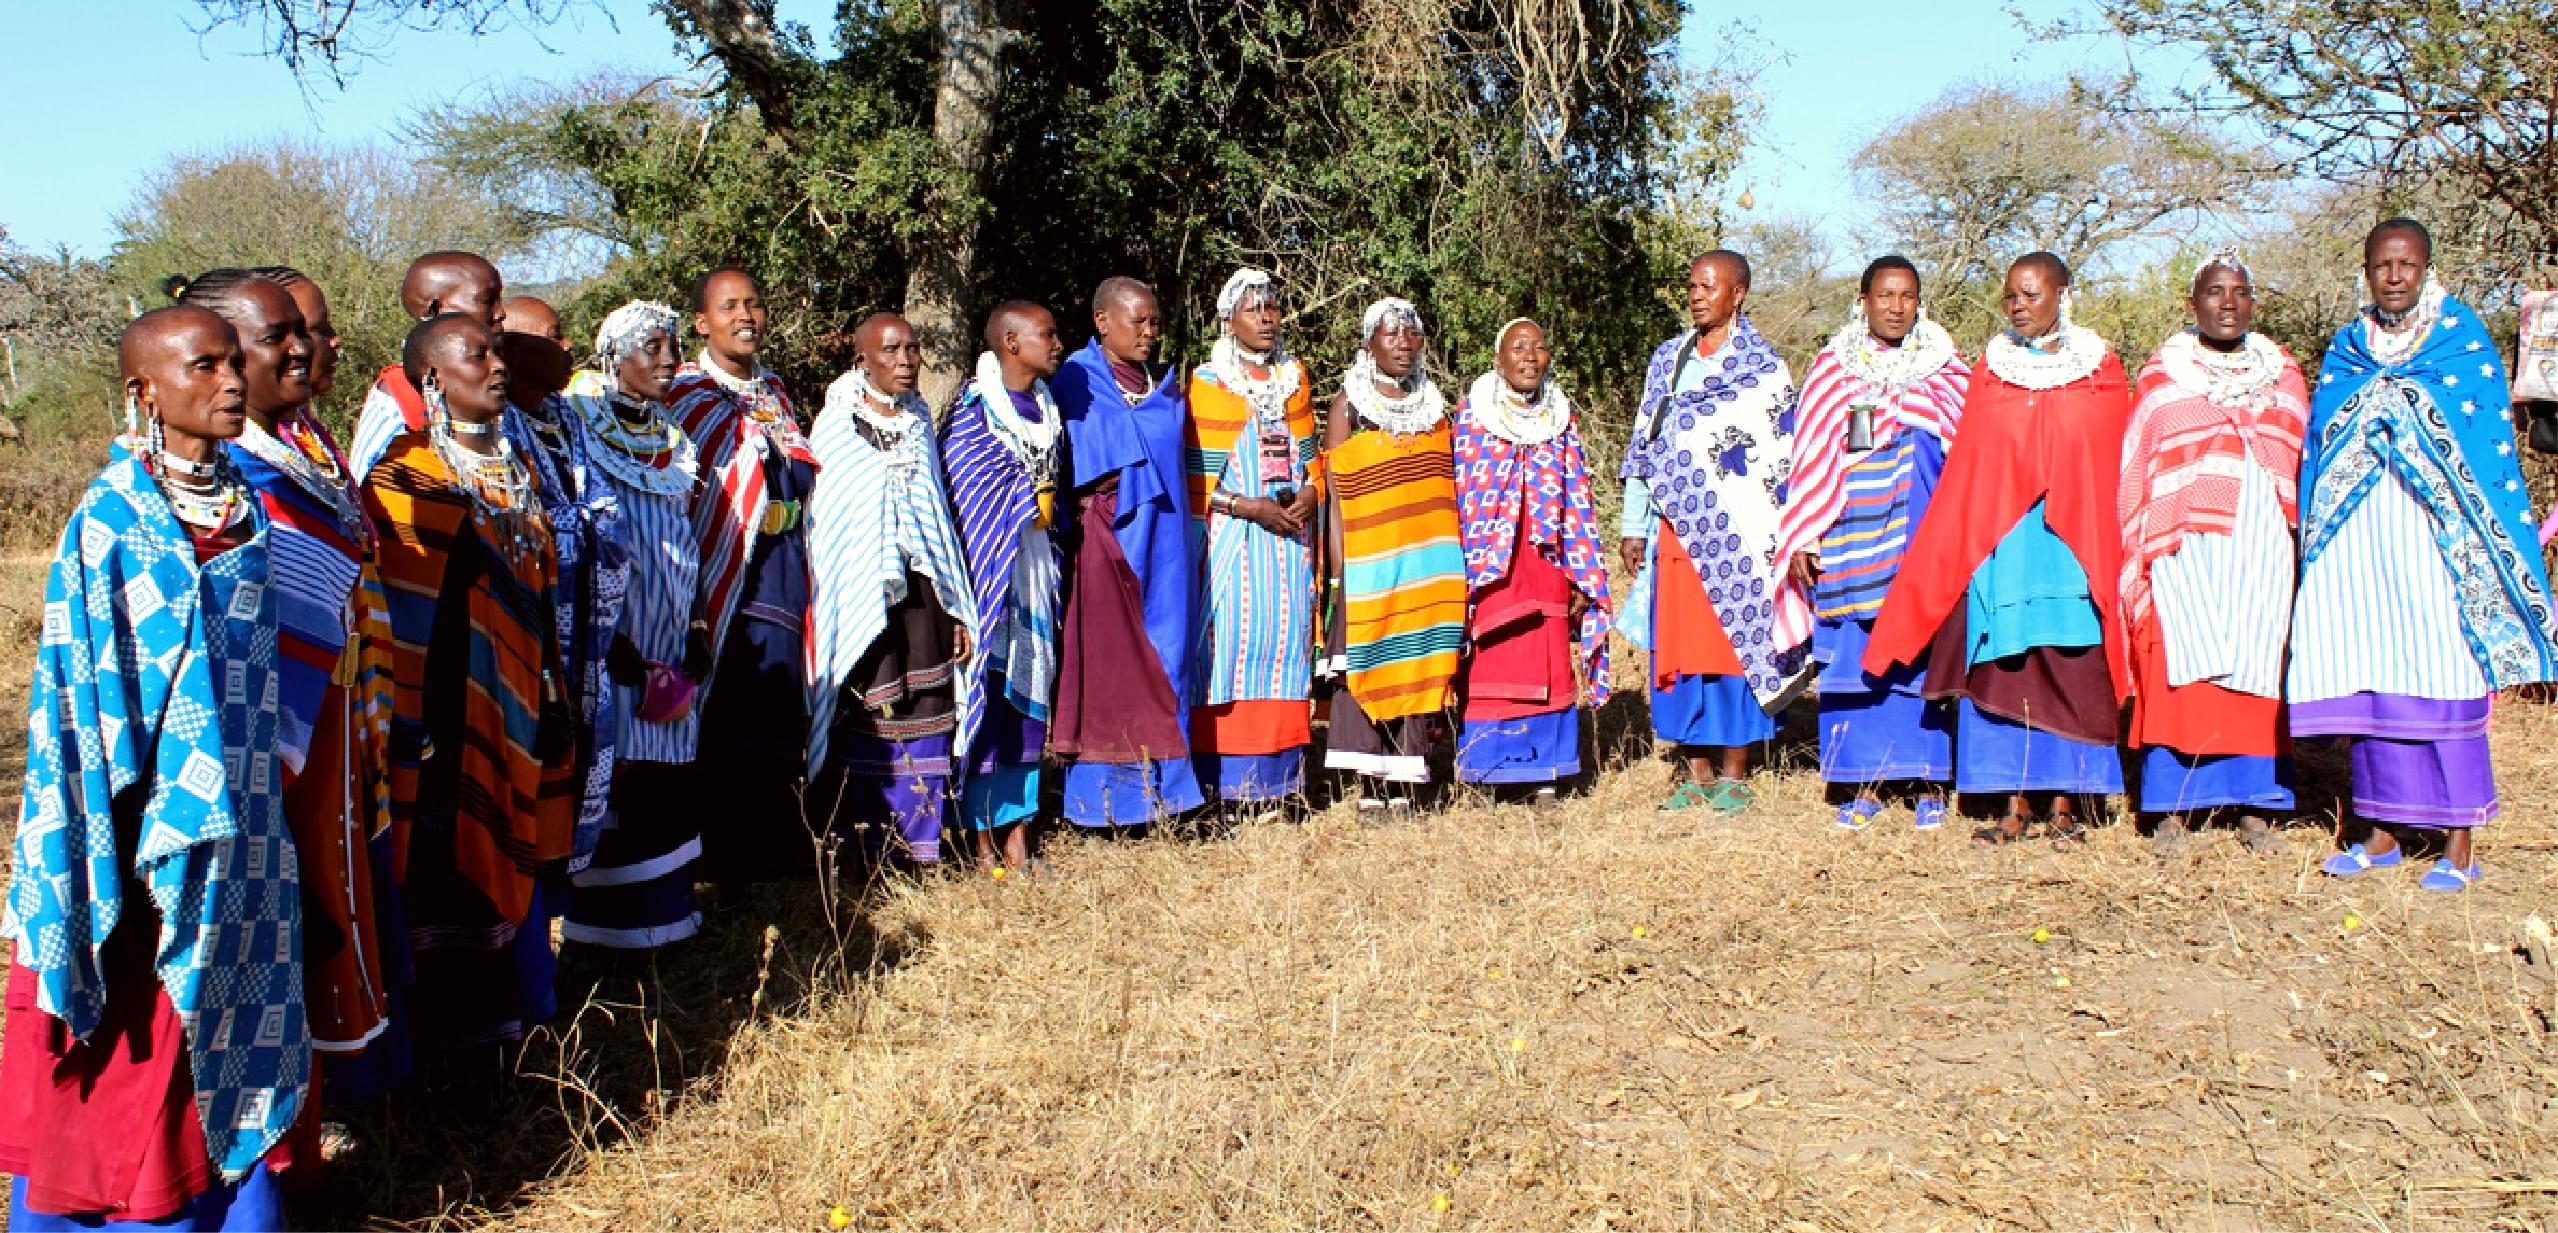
(973, 42)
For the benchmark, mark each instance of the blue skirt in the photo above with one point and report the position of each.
(1000, 796)
(2173, 782)
(255, 1204)
(1100, 794)
(1869, 738)
(1711, 711)
(1528, 749)
(1998, 755)
(1249, 778)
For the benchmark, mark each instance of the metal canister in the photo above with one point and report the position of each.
(1860, 427)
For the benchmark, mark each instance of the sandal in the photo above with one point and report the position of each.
(1854, 814)
(1688, 796)
(2013, 828)
(2066, 832)
(1730, 797)
(2450, 879)
(1931, 813)
(2355, 860)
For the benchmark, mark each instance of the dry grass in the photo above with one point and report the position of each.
(1490, 1017)
(1494, 1018)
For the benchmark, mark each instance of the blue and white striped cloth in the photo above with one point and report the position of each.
(2225, 601)
(874, 515)
(2378, 612)
(376, 426)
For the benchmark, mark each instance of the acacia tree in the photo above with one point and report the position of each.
(1986, 173)
(1479, 157)
(2391, 93)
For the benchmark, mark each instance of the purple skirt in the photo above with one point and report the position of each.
(2416, 761)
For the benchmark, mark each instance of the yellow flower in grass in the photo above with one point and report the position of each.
(1441, 1203)
(838, 1218)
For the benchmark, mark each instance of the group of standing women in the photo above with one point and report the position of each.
(323, 745)
(1995, 558)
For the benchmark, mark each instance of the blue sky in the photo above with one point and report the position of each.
(131, 84)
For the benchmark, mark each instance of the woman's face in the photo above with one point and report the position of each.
(275, 350)
(1396, 348)
(2032, 300)
(647, 370)
(326, 346)
(1523, 358)
(2224, 305)
(473, 375)
(1891, 305)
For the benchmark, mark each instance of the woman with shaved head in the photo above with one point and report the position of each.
(157, 1044)
(2422, 588)
(483, 733)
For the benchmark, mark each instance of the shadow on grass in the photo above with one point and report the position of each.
(475, 1133)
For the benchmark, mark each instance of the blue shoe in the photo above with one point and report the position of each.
(2353, 860)
(1856, 813)
(2449, 879)
(1931, 813)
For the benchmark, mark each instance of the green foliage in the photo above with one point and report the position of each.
(1483, 160)
(59, 315)
(351, 218)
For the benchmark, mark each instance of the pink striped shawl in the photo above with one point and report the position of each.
(1816, 488)
(2184, 457)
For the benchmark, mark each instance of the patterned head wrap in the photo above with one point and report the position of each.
(625, 331)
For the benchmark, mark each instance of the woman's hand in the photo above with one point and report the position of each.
(1269, 515)
(1807, 569)
(624, 663)
(1630, 555)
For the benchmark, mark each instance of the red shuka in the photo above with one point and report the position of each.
(2063, 446)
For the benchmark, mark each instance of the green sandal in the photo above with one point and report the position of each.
(1730, 797)
(1687, 797)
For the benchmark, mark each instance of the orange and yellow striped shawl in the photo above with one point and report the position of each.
(1403, 575)
(515, 801)
(1218, 415)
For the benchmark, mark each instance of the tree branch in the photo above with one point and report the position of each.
(742, 37)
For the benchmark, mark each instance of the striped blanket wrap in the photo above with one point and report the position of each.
(1403, 573)
(738, 426)
(153, 671)
(2185, 457)
(1013, 568)
(1857, 511)
(517, 803)
(1257, 639)
(874, 516)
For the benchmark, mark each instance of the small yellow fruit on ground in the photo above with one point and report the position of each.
(838, 1218)
(1440, 1203)
(2042, 936)
(2353, 921)
(1518, 1044)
